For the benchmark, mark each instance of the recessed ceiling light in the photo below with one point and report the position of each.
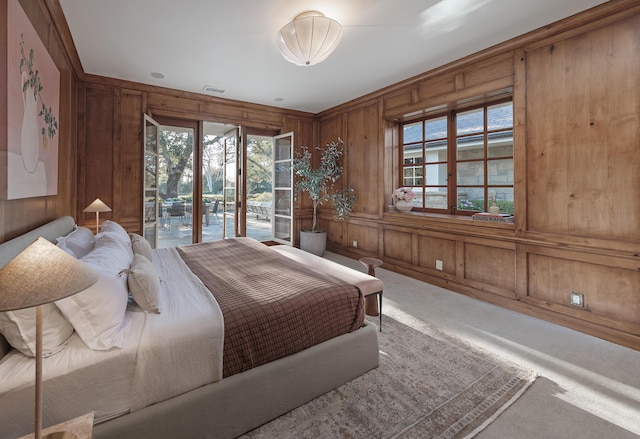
(212, 89)
(157, 75)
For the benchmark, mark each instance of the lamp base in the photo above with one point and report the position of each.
(60, 435)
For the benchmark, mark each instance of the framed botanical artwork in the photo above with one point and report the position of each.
(29, 148)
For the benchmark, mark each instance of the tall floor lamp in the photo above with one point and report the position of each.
(97, 206)
(40, 274)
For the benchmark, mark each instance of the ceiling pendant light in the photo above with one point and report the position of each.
(309, 38)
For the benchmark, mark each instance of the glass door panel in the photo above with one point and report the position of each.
(259, 187)
(175, 181)
(282, 213)
(150, 195)
(230, 179)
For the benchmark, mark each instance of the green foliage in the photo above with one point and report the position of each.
(27, 65)
(318, 182)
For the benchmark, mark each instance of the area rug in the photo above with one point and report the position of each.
(428, 385)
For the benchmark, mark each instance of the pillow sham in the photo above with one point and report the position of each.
(144, 283)
(113, 241)
(80, 241)
(97, 313)
(141, 246)
(19, 328)
(116, 229)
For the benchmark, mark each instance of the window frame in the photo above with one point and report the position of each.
(452, 160)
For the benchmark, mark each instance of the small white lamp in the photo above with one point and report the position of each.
(40, 274)
(97, 206)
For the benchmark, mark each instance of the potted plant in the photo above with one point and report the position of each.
(318, 183)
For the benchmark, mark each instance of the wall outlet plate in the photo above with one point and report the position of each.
(439, 265)
(577, 299)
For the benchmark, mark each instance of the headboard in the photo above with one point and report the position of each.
(10, 249)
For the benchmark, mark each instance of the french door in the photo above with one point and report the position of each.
(282, 211)
(231, 176)
(229, 183)
(150, 185)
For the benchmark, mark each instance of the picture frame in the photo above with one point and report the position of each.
(29, 131)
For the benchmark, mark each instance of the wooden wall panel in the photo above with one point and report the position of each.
(431, 249)
(361, 157)
(397, 244)
(609, 291)
(98, 160)
(582, 100)
(130, 199)
(365, 236)
(490, 265)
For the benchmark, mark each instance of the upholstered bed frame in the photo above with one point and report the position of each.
(239, 403)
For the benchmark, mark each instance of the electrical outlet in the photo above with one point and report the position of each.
(439, 265)
(577, 299)
(355, 243)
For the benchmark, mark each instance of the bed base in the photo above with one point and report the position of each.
(242, 402)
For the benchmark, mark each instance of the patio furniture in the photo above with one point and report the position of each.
(177, 209)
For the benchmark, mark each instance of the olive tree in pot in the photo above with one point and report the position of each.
(318, 183)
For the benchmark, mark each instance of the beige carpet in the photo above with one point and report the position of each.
(428, 385)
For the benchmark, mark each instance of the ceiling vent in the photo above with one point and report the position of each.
(212, 89)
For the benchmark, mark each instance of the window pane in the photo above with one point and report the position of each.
(435, 128)
(500, 171)
(151, 172)
(501, 144)
(470, 148)
(470, 173)
(500, 116)
(436, 198)
(470, 122)
(437, 174)
(412, 132)
(504, 198)
(412, 153)
(436, 151)
(471, 199)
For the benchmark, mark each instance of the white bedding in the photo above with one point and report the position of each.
(164, 355)
(181, 348)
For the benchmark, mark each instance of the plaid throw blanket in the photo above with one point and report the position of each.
(272, 306)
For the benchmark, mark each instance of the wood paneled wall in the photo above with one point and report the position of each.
(110, 137)
(576, 92)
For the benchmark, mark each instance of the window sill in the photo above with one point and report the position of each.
(448, 219)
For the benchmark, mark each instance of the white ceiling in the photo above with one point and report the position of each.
(230, 44)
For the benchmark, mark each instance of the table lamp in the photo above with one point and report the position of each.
(97, 206)
(40, 274)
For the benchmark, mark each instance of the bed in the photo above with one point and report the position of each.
(170, 375)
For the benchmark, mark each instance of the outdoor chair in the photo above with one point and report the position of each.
(214, 212)
(177, 209)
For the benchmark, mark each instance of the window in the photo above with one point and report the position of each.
(462, 162)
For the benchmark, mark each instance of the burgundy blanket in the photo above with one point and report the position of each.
(272, 306)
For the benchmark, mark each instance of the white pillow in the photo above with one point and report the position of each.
(81, 241)
(141, 246)
(144, 284)
(112, 240)
(117, 229)
(19, 328)
(97, 313)
(63, 246)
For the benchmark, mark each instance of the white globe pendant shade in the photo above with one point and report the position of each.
(309, 38)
